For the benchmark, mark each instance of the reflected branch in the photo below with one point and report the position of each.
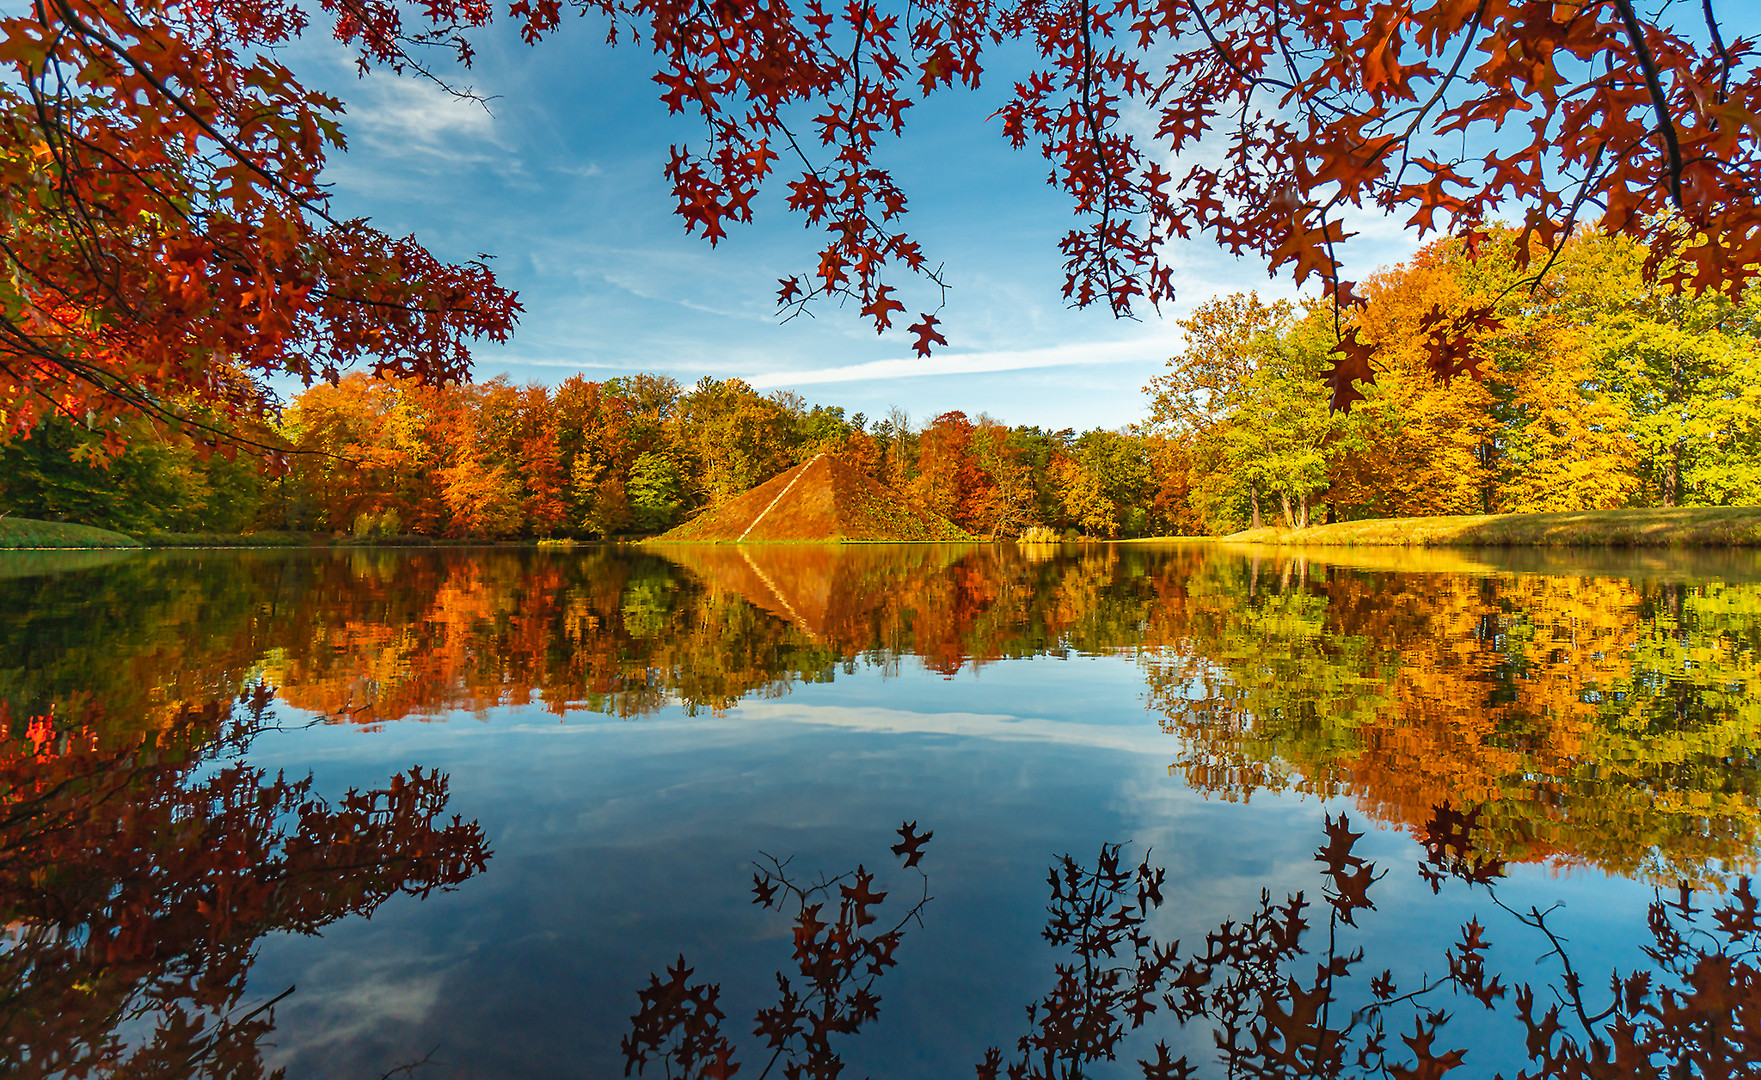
(139, 870)
(1267, 996)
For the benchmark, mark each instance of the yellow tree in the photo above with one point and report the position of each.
(735, 438)
(1686, 368)
(1416, 444)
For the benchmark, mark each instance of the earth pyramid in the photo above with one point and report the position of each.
(820, 499)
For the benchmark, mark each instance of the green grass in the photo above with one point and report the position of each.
(25, 533)
(1703, 526)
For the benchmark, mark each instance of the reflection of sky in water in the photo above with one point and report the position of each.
(1602, 712)
(618, 845)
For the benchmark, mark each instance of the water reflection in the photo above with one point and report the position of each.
(840, 955)
(1601, 721)
(1286, 991)
(1575, 715)
(1603, 716)
(141, 864)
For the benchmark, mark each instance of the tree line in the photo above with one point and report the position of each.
(592, 460)
(1591, 390)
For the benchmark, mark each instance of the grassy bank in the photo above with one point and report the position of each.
(25, 533)
(210, 540)
(1705, 526)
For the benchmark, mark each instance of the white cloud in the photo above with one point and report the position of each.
(1073, 354)
(403, 114)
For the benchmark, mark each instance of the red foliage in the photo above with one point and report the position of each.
(138, 871)
(171, 235)
(1293, 116)
(168, 241)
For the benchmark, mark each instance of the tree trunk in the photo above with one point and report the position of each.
(1302, 512)
(1254, 490)
(1289, 515)
(1672, 480)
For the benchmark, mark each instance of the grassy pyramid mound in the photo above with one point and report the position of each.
(820, 499)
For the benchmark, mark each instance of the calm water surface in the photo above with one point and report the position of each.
(340, 813)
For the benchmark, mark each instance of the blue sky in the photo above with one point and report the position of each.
(561, 180)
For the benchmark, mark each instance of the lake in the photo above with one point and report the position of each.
(508, 812)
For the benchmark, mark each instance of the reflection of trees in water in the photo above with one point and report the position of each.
(1598, 721)
(1285, 991)
(138, 871)
(1601, 720)
(843, 945)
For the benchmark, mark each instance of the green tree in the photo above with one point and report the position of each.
(654, 492)
(1688, 371)
(1247, 392)
(152, 485)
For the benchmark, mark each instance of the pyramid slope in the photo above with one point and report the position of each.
(820, 499)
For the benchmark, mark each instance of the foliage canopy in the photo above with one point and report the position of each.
(168, 237)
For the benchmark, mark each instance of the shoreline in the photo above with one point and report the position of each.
(1654, 528)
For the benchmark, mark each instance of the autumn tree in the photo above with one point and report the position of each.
(169, 235)
(1007, 504)
(603, 431)
(351, 458)
(1104, 484)
(896, 439)
(736, 438)
(597, 436)
(1172, 512)
(1563, 441)
(1684, 370)
(949, 480)
(1245, 395)
(1559, 409)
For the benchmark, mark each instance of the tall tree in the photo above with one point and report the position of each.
(1247, 389)
(168, 234)
(949, 480)
(736, 437)
(1687, 370)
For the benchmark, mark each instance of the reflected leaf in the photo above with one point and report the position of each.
(139, 870)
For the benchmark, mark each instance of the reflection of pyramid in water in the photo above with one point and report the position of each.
(830, 592)
(820, 499)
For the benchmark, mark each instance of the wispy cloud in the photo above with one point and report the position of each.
(1069, 355)
(409, 114)
(1136, 735)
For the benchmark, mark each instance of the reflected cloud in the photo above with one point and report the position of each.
(1129, 738)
